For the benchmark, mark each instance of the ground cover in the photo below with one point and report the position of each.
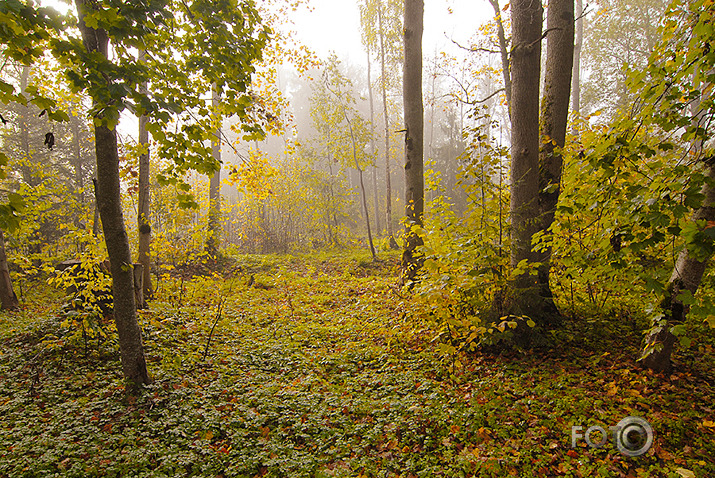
(315, 367)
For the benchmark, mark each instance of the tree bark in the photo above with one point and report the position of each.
(7, 293)
(110, 210)
(525, 70)
(214, 224)
(143, 218)
(383, 85)
(524, 205)
(554, 118)
(414, 137)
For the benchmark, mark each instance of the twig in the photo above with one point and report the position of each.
(219, 310)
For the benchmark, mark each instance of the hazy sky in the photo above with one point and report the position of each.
(334, 25)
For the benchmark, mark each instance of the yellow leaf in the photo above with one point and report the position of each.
(709, 423)
(612, 389)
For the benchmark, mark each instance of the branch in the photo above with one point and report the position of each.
(584, 12)
(473, 49)
(483, 100)
(490, 96)
(535, 42)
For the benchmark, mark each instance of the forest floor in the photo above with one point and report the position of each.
(317, 370)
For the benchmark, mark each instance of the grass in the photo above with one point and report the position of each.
(318, 370)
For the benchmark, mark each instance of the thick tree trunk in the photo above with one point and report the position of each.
(525, 68)
(388, 185)
(524, 207)
(110, 210)
(687, 275)
(554, 118)
(7, 293)
(214, 220)
(414, 136)
(143, 218)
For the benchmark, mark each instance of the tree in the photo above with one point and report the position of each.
(578, 46)
(214, 225)
(608, 49)
(676, 91)
(230, 36)
(414, 137)
(337, 119)
(554, 118)
(687, 275)
(7, 293)
(373, 149)
(503, 51)
(385, 41)
(96, 42)
(144, 203)
(524, 208)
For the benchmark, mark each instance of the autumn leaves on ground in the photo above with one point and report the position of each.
(320, 368)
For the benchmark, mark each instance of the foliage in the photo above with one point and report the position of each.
(289, 202)
(84, 315)
(466, 263)
(650, 167)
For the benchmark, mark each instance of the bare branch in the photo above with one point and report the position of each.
(473, 49)
(483, 100)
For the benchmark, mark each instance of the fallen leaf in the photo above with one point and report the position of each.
(685, 473)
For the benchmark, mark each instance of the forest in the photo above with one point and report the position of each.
(225, 254)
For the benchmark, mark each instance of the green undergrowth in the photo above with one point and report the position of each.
(297, 366)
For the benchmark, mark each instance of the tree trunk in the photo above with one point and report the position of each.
(110, 210)
(687, 275)
(77, 143)
(388, 186)
(214, 224)
(143, 217)
(554, 118)
(95, 215)
(576, 81)
(373, 149)
(524, 210)
(414, 137)
(362, 189)
(7, 293)
(24, 120)
(504, 51)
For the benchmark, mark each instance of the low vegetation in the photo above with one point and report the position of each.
(318, 366)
